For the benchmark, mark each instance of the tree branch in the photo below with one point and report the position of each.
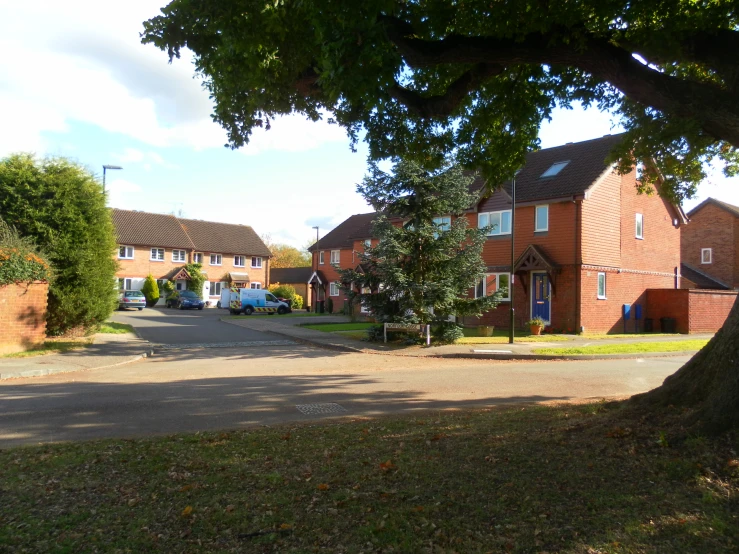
(714, 108)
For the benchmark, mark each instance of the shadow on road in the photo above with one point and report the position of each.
(51, 412)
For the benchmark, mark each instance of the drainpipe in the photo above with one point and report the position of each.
(578, 261)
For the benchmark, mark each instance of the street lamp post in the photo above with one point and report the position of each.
(318, 259)
(107, 167)
(511, 332)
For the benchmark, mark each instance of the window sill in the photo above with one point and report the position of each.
(541, 233)
(160, 261)
(639, 238)
(125, 258)
(602, 298)
(253, 267)
(498, 237)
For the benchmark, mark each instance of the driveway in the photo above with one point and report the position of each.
(169, 326)
(190, 390)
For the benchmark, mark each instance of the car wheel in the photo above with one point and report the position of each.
(282, 310)
(218, 304)
(248, 310)
(182, 306)
(141, 309)
(200, 307)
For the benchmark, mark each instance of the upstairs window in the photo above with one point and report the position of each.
(542, 219)
(443, 224)
(178, 256)
(706, 255)
(335, 256)
(256, 261)
(499, 222)
(239, 261)
(197, 258)
(216, 259)
(125, 252)
(255, 285)
(554, 169)
(157, 255)
(639, 230)
(367, 244)
(320, 257)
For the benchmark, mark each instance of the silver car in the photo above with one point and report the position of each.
(131, 299)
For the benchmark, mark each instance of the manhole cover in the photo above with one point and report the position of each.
(320, 409)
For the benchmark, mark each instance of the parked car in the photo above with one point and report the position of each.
(131, 299)
(186, 300)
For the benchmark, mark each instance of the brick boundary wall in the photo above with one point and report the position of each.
(22, 316)
(696, 310)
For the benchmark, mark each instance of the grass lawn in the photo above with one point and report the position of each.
(113, 328)
(600, 336)
(293, 314)
(629, 348)
(52, 346)
(574, 478)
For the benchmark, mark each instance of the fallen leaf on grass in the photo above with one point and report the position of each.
(439, 436)
(387, 466)
(418, 509)
(187, 511)
(322, 487)
(285, 526)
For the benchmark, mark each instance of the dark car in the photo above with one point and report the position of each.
(131, 299)
(186, 300)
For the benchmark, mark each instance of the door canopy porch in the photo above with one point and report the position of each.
(535, 258)
(182, 274)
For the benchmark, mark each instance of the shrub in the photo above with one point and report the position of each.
(150, 290)
(447, 333)
(287, 291)
(60, 205)
(170, 289)
(20, 261)
(297, 302)
(197, 279)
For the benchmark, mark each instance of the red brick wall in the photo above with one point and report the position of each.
(715, 228)
(22, 316)
(346, 260)
(696, 310)
(601, 227)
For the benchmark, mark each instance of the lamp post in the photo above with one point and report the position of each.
(511, 332)
(107, 167)
(318, 259)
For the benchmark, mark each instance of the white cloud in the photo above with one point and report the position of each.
(124, 194)
(83, 61)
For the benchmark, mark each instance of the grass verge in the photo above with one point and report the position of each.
(333, 327)
(293, 314)
(51, 347)
(113, 328)
(629, 348)
(573, 479)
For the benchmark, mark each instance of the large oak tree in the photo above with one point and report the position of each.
(478, 77)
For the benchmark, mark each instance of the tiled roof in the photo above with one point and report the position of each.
(290, 274)
(224, 238)
(586, 162)
(356, 227)
(723, 205)
(701, 280)
(147, 229)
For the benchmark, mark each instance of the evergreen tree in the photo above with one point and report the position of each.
(428, 258)
(150, 290)
(61, 207)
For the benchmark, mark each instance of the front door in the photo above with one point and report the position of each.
(540, 294)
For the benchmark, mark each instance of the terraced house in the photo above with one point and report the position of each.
(586, 243)
(161, 245)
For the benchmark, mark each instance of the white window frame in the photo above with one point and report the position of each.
(320, 257)
(605, 290)
(239, 261)
(554, 169)
(486, 217)
(334, 289)
(484, 282)
(367, 243)
(255, 285)
(639, 226)
(363, 308)
(154, 255)
(442, 223)
(335, 257)
(128, 252)
(218, 257)
(176, 257)
(538, 228)
(256, 262)
(197, 258)
(215, 285)
(705, 251)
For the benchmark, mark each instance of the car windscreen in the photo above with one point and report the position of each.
(134, 293)
(188, 294)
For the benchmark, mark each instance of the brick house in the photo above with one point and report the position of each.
(297, 277)
(160, 245)
(585, 242)
(710, 246)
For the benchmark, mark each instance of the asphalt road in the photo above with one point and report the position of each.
(169, 326)
(191, 390)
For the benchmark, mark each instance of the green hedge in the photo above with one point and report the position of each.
(20, 261)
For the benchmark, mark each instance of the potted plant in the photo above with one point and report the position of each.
(536, 324)
(485, 330)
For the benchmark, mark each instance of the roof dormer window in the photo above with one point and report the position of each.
(555, 169)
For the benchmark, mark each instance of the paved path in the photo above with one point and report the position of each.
(190, 390)
(169, 326)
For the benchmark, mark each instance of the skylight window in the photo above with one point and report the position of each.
(555, 169)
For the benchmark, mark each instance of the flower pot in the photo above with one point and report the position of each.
(485, 330)
(536, 329)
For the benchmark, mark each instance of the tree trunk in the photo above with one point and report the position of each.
(707, 386)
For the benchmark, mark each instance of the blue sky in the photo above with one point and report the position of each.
(75, 81)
